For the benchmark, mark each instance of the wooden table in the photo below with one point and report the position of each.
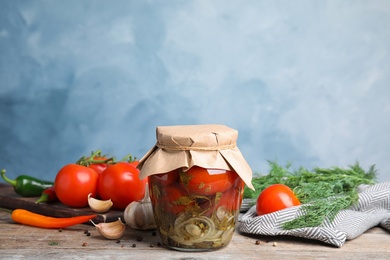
(18, 241)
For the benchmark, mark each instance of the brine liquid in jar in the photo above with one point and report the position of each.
(197, 209)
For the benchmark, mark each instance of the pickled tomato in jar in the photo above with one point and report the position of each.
(196, 179)
(196, 210)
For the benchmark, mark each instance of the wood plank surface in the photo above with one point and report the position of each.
(18, 241)
(11, 200)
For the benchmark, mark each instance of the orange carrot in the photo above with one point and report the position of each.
(26, 217)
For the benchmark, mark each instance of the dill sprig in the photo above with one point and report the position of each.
(323, 192)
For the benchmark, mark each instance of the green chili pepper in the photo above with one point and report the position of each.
(27, 186)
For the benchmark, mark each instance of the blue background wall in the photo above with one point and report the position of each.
(305, 82)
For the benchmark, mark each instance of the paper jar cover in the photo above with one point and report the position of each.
(207, 146)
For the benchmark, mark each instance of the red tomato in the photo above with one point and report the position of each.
(98, 167)
(231, 199)
(174, 199)
(73, 183)
(165, 179)
(203, 181)
(120, 182)
(275, 197)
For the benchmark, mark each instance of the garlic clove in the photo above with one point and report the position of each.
(111, 230)
(139, 214)
(99, 206)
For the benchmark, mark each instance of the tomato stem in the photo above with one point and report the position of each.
(86, 161)
(129, 158)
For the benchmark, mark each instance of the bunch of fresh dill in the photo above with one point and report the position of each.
(322, 192)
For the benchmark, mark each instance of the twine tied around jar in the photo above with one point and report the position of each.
(196, 148)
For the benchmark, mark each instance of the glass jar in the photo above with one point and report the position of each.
(196, 182)
(196, 210)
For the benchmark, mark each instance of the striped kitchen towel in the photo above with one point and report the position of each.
(372, 209)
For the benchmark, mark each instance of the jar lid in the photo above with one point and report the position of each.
(207, 146)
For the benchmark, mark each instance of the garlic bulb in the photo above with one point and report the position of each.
(139, 214)
(99, 206)
(112, 230)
